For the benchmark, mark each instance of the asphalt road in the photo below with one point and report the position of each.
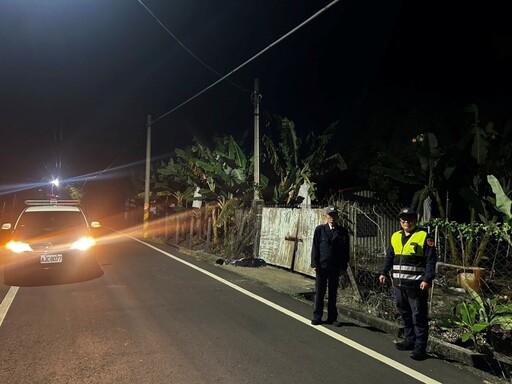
(145, 315)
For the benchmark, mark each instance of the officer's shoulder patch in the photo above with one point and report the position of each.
(430, 242)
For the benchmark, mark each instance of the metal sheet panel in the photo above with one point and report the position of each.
(287, 236)
(309, 219)
(277, 226)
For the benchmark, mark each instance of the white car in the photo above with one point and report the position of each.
(48, 234)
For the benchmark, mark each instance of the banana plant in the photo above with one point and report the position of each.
(295, 161)
(434, 166)
(183, 196)
(224, 169)
(477, 316)
(223, 174)
(76, 193)
(502, 203)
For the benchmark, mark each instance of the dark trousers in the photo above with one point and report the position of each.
(326, 279)
(412, 304)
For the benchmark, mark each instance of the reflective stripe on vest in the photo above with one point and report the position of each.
(409, 262)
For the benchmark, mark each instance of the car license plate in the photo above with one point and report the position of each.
(45, 259)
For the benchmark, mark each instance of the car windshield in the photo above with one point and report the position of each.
(47, 221)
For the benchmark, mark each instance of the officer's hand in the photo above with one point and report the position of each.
(424, 285)
(382, 279)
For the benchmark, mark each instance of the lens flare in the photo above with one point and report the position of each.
(83, 244)
(18, 247)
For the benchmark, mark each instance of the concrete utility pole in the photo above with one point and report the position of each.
(256, 98)
(257, 202)
(145, 224)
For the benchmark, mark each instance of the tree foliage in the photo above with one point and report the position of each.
(222, 172)
(295, 161)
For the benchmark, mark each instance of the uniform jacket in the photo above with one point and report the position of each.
(330, 248)
(410, 261)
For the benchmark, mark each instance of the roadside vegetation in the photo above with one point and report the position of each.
(458, 179)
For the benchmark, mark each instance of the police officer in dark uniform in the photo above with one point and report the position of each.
(329, 256)
(412, 258)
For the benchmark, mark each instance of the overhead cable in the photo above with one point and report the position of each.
(246, 62)
(185, 48)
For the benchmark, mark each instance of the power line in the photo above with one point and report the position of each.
(243, 64)
(134, 140)
(185, 48)
(225, 76)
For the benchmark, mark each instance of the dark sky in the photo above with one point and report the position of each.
(78, 78)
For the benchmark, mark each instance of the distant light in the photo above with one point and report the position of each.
(55, 182)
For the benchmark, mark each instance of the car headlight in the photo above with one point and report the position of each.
(83, 244)
(18, 247)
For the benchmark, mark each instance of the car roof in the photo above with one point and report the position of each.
(53, 208)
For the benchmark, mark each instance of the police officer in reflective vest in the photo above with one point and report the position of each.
(412, 258)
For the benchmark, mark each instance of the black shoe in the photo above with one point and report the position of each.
(419, 354)
(404, 346)
(316, 322)
(334, 323)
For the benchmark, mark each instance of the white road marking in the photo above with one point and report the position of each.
(384, 359)
(6, 302)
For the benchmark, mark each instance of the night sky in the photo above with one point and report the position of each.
(78, 78)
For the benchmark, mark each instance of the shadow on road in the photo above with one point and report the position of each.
(87, 271)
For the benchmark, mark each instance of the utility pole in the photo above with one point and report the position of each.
(257, 202)
(256, 98)
(145, 224)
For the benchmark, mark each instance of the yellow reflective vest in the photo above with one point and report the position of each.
(409, 261)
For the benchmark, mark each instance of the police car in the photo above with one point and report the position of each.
(48, 234)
